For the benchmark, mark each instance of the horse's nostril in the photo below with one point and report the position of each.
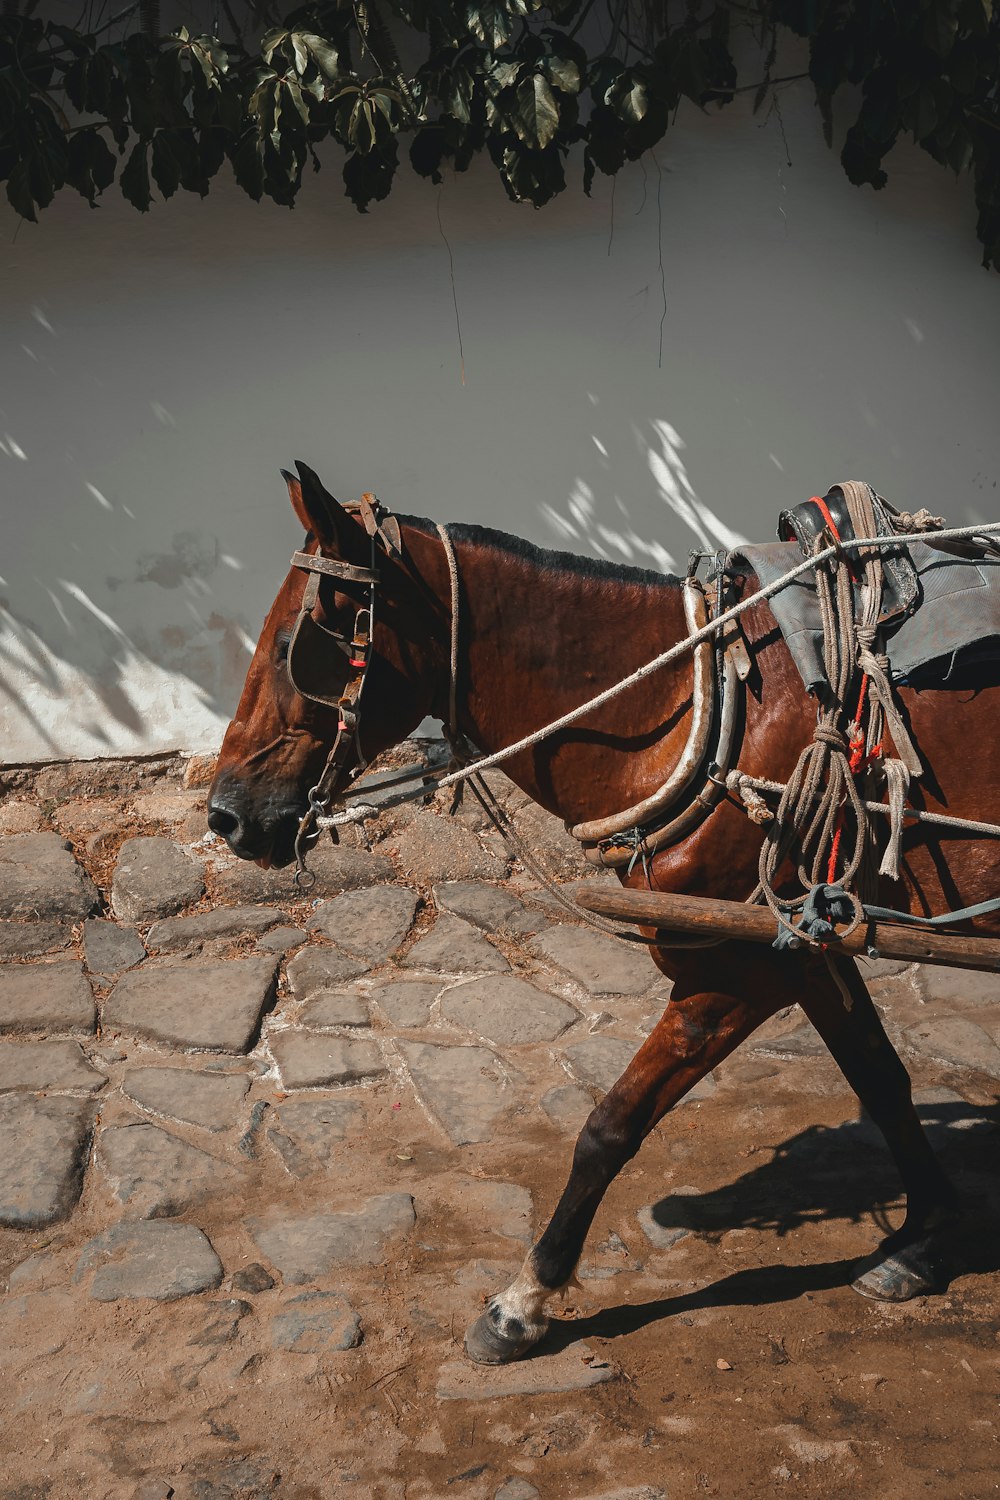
(224, 822)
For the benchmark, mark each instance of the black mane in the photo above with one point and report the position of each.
(546, 557)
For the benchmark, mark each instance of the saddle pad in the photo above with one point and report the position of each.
(959, 609)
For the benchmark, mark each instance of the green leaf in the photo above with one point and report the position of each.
(536, 115)
(270, 43)
(427, 151)
(300, 51)
(503, 74)
(492, 21)
(19, 192)
(90, 166)
(298, 101)
(323, 53)
(134, 180)
(368, 177)
(175, 161)
(248, 169)
(563, 73)
(606, 140)
(628, 98)
(532, 176)
(212, 59)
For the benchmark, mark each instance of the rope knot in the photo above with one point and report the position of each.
(826, 734)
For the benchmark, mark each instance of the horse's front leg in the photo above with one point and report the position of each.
(911, 1261)
(720, 996)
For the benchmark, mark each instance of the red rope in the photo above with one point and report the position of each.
(858, 762)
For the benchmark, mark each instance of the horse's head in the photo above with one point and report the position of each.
(286, 722)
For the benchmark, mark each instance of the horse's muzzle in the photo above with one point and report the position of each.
(267, 837)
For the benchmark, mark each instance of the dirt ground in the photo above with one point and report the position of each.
(741, 1363)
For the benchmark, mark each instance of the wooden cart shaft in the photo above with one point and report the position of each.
(707, 917)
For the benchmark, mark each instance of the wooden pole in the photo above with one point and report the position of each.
(707, 917)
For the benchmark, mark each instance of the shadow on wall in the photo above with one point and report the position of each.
(72, 672)
(79, 681)
(653, 475)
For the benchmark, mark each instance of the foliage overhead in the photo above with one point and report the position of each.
(449, 79)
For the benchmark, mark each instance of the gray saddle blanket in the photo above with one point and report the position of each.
(957, 620)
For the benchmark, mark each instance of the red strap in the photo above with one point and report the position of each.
(818, 500)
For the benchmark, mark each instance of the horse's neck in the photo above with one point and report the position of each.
(539, 637)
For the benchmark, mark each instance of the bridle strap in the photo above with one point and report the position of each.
(348, 706)
(332, 567)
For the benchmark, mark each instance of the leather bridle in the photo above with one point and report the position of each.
(382, 527)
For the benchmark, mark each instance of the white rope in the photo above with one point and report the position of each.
(953, 534)
(736, 781)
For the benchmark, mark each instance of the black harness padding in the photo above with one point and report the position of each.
(808, 525)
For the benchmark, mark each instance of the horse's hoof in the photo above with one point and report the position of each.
(486, 1345)
(897, 1277)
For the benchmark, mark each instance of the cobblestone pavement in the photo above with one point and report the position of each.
(261, 1158)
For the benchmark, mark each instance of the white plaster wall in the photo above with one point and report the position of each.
(156, 372)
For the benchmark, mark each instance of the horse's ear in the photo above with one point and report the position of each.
(315, 507)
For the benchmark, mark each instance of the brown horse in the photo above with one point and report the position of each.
(541, 632)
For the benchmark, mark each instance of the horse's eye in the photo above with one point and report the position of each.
(281, 645)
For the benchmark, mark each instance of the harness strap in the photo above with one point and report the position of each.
(946, 918)
(332, 567)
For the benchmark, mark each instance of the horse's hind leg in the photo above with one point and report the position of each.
(911, 1261)
(720, 996)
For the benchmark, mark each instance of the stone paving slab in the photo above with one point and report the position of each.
(503, 1208)
(600, 964)
(455, 947)
(211, 1100)
(222, 1323)
(153, 878)
(464, 1088)
(309, 1059)
(567, 1106)
(320, 967)
(407, 1002)
(663, 1223)
(214, 1007)
(43, 1151)
(331, 1008)
(40, 879)
(506, 1011)
(802, 1040)
(155, 1175)
(600, 1060)
(149, 1259)
(109, 948)
(51, 997)
(963, 987)
(368, 924)
(306, 1132)
(316, 1323)
(487, 906)
(281, 940)
(337, 867)
(33, 939)
(960, 1043)
(19, 816)
(175, 933)
(305, 1249)
(432, 848)
(28, 1067)
(575, 1368)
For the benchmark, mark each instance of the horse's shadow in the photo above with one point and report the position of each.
(822, 1174)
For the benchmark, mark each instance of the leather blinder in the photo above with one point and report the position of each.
(308, 662)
